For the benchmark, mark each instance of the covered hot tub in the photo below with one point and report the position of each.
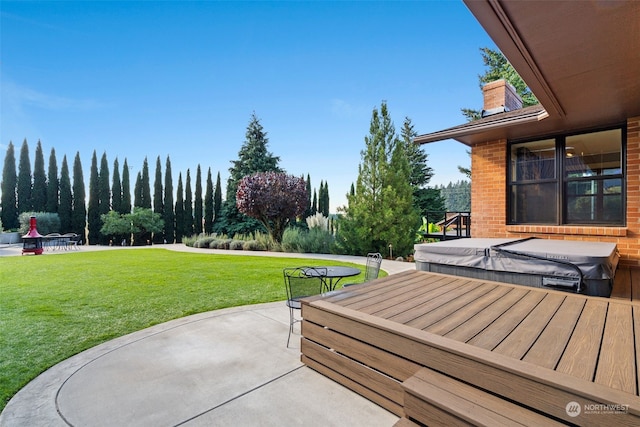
(575, 266)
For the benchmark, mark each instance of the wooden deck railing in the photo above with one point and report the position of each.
(452, 225)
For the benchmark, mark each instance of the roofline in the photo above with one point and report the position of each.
(479, 127)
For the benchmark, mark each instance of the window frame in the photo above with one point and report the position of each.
(562, 181)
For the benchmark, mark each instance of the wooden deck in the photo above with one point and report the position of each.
(438, 349)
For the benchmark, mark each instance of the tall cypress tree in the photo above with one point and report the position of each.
(314, 204)
(217, 201)
(39, 192)
(53, 184)
(158, 204)
(145, 186)
(104, 191)
(126, 189)
(137, 192)
(8, 186)
(116, 188)
(168, 215)
(307, 211)
(208, 204)
(179, 211)
(93, 208)
(325, 199)
(65, 208)
(79, 214)
(188, 207)
(197, 204)
(25, 203)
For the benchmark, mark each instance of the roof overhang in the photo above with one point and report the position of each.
(581, 59)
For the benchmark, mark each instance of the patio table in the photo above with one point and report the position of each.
(334, 274)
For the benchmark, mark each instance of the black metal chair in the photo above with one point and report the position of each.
(374, 260)
(301, 282)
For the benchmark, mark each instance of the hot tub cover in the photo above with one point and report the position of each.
(558, 258)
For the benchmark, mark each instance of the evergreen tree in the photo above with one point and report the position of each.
(314, 204)
(325, 199)
(253, 157)
(424, 199)
(126, 189)
(188, 207)
(137, 191)
(93, 209)
(79, 214)
(217, 201)
(197, 202)
(321, 198)
(168, 215)
(158, 203)
(307, 211)
(8, 186)
(53, 184)
(104, 192)
(381, 212)
(352, 190)
(145, 186)
(39, 193)
(65, 208)
(116, 188)
(179, 211)
(24, 180)
(208, 204)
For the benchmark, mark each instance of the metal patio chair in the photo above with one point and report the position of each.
(301, 282)
(374, 260)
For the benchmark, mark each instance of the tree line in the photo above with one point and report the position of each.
(102, 216)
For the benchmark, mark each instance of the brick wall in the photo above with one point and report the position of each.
(489, 201)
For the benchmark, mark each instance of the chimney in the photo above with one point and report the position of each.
(500, 96)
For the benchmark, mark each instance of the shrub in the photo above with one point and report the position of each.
(253, 245)
(236, 245)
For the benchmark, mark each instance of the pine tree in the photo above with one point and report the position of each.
(381, 212)
(116, 188)
(126, 189)
(197, 202)
(179, 211)
(104, 192)
(188, 207)
(424, 199)
(168, 215)
(25, 203)
(53, 184)
(65, 208)
(253, 157)
(93, 209)
(208, 204)
(8, 186)
(39, 192)
(145, 186)
(79, 214)
(158, 203)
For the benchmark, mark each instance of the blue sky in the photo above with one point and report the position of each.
(181, 79)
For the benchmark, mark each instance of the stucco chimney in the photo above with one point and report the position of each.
(500, 96)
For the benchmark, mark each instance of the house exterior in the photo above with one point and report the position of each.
(569, 167)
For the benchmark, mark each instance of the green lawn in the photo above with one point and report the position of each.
(54, 306)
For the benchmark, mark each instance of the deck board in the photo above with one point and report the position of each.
(581, 355)
(616, 368)
(535, 347)
(548, 348)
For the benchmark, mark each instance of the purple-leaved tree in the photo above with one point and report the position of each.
(272, 198)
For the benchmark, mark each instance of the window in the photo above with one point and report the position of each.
(573, 179)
